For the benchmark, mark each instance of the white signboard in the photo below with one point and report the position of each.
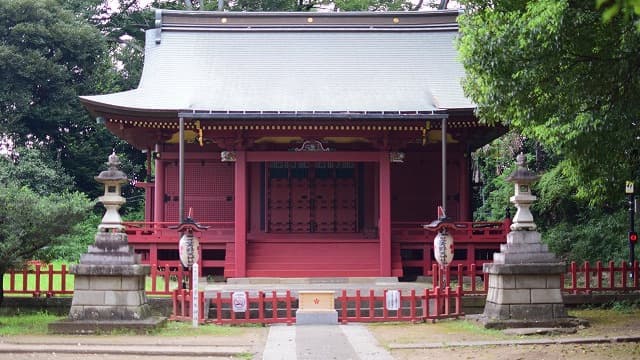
(443, 249)
(628, 188)
(393, 300)
(239, 300)
(189, 250)
(194, 292)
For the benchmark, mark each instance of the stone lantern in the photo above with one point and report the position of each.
(522, 178)
(112, 199)
(109, 289)
(524, 287)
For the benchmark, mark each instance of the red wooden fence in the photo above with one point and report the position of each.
(44, 280)
(265, 308)
(429, 305)
(38, 279)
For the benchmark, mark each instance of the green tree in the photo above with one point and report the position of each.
(628, 8)
(29, 222)
(555, 72)
(49, 56)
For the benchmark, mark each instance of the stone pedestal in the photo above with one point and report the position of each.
(524, 285)
(316, 307)
(109, 290)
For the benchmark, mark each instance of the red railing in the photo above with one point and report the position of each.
(38, 279)
(429, 305)
(45, 280)
(263, 308)
(269, 308)
(159, 232)
(472, 279)
(464, 231)
(586, 279)
(56, 280)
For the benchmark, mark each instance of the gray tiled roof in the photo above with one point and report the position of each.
(296, 70)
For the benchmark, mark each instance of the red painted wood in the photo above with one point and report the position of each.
(312, 259)
(384, 225)
(307, 156)
(208, 191)
(240, 214)
(159, 191)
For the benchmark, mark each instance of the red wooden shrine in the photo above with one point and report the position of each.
(307, 152)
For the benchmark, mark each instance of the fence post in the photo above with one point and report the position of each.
(412, 306)
(447, 302)
(174, 300)
(473, 278)
(385, 312)
(399, 311)
(202, 312)
(635, 274)
(612, 275)
(167, 278)
(459, 295)
(50, 287)
(372, 310)
(425, 305)
(436, 295)
(218, 308)
(261, 306)
(25, 275)
(624, 275)
(154, 273)
(599, 274)
(289, 316)
(247, 313)
(343, 306)
(587, 277)
(358, 300)
(36, 291)
(274, 305)
(63, 280)
(574, 278)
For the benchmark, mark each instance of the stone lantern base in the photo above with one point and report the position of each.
(524, 286)
(109, 290)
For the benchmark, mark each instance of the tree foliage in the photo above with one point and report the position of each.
(30, 222)
(555, 72)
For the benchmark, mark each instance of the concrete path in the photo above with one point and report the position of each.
(323, 342)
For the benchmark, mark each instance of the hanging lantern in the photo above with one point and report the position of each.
(443, 248)
(189, 249)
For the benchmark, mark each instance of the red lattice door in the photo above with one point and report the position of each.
(208, 191)
(311, 197)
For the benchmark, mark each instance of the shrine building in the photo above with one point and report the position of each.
(312, 142)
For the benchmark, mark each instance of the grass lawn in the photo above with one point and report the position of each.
(36, 324)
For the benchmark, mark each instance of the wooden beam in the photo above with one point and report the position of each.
(337, 156)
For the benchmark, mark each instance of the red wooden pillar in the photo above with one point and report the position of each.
(158, 193)
(384, 221)
(240, 214)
